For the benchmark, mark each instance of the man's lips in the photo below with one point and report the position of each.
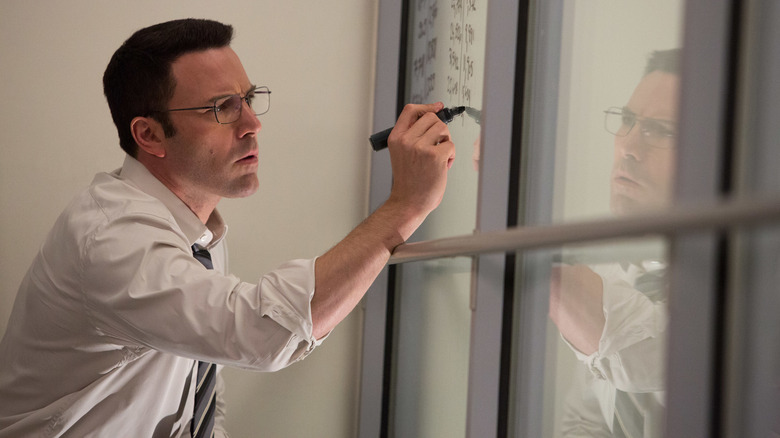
(625, 179)
(251, 157)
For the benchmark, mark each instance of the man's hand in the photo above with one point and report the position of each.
(576, 304)
(421, 153)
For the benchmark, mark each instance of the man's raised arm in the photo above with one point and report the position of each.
(421, 153)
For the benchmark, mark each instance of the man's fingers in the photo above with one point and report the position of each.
(413, 112)
(428, 130)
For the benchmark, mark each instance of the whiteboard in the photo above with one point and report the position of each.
(445, 53)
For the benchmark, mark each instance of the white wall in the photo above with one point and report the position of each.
(56, 133)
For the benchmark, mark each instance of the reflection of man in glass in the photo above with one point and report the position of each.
(645, 134)
(614, 316)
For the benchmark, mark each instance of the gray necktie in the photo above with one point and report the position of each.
(205, 391)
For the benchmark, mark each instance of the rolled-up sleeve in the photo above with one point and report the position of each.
(632, 345)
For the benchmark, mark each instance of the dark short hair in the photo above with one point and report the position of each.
(667, 61)
(138, 80)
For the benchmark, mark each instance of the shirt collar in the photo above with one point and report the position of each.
(207, 235)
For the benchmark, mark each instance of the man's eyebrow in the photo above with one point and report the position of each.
(673, 123)
(251, 88)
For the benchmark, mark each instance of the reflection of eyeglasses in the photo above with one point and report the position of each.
(227, 109)
(655, 132)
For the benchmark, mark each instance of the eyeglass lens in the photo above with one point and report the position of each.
(620, 122)
(228, 110)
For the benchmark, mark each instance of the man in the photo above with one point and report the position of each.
(614, 316)
(128, 303)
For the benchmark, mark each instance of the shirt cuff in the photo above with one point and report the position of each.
(286, 295)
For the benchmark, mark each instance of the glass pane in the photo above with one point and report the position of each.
(617, 108)
(606, 347)
(445, 60)
(432, 349)
(615, 156)
(753, 359)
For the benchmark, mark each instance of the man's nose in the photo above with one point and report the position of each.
(632, 144)
(249, 123)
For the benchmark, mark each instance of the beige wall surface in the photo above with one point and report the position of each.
(317, 58)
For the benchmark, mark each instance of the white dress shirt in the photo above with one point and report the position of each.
(630, 357)
(114, 312)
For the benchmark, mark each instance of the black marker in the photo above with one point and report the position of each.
(379, 140)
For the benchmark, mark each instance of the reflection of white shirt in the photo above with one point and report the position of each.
(631, 353)
(114, 311)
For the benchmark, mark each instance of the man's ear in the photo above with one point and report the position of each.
(149, 135)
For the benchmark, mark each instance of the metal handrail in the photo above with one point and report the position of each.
(718, 215)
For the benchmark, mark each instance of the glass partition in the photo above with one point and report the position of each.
(584, 331)
(615, 152)
(606, 337)
(433, 322)
(617, 108)
(445, 62)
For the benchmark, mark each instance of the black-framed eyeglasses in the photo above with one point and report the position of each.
(227, 109)
(655, 132)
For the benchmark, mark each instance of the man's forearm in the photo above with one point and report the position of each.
(345, 272)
